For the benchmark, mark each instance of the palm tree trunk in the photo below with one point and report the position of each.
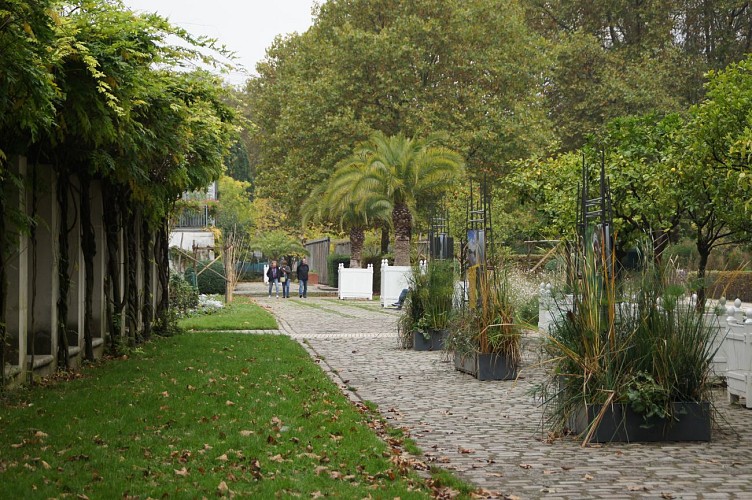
(403, 226)
(357, 237)
(384, 238)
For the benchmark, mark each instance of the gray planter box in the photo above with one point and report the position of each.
(486, 366)
(692, 422)
(435, 342)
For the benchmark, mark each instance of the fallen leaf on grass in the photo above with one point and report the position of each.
(246, 433)
(181, 472)
(229, 403)
(223, 457)
(40, 434)
(277, 458)
(165, 394)
(223, 488)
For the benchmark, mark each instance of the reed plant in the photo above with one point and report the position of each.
(429, 302)
(642, 344)
(488, 324)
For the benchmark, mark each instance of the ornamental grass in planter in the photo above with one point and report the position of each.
(486, 338)
(427, 310)
(630, 363)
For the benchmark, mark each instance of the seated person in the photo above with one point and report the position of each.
(401, 300)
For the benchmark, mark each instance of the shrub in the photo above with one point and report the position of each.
(375, 260)
(333, 261)
(183, 295)
(210, 281)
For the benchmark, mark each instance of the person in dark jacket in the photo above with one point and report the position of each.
(303, 278)
(274, 274)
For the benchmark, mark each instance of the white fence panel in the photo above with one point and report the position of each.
(719, 347)
(266, 268)
(355, 283)
(394, 279)
(551, 310)
(738, 344)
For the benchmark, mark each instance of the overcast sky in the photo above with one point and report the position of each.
(246, 27)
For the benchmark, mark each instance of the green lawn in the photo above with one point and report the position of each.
(242, 314)
(198, 415)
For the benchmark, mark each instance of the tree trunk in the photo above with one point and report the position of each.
(161, 256)
(3, 283)
(112, 222)
(403, 225)
(89, 248)
(147, 311)
(384, 238)
(357, 237)
(228, 259)
(63, 186)
(131, 291)
(704, 251)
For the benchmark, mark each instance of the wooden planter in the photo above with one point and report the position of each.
(313, 278)
(435, 341)
(691, 422)
(486, 366)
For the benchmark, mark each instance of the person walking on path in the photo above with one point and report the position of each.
(274, 274)
(303, 278)
(285, 279)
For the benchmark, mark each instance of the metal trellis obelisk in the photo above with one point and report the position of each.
(479, 238)
(595, 223)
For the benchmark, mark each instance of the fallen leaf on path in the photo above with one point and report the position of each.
(526, 466)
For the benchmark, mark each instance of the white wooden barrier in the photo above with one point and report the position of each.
(738, 349)
(355, 283)
(266, 269)
(394, 279)
(719, 345)
(551, 310)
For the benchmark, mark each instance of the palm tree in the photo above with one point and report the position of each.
(403, 171)
(334, 202)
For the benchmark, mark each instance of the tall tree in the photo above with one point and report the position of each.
(405, 172)
(470, 68)
(334, 202)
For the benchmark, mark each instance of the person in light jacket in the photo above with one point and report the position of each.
(303, 278)
(274, 274)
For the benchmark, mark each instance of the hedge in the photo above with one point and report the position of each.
(332, 263)
(730, 284)
(208, 281)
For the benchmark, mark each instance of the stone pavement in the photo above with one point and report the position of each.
(490, 432)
